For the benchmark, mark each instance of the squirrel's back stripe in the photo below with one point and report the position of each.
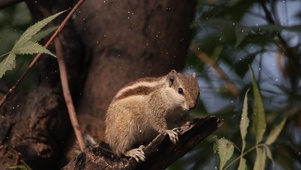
(143, 86)
(141, 90)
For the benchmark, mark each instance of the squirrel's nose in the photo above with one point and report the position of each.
(192, 106)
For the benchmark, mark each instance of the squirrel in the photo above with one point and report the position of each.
(146, 107)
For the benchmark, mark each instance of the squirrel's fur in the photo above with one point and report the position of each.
(146, 107)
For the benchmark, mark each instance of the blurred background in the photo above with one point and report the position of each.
(229, 37)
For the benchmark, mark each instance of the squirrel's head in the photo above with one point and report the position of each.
(183, 90)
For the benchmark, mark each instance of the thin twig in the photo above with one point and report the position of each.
(67, 95)
(11, 90)
(202, 56)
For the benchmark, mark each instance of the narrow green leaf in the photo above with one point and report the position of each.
(258, 118)
(37, 37)
(32, 30)
(244, 122)
(271, 27)
(23, 165)
(32, 48)
(225, 151)
(275, 132)
(215, 146)
(269, 154)
(242, 164)
(260, 159)
(7, 63)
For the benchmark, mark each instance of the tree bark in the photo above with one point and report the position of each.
(108, 44)
(35, 126)
(126, 40)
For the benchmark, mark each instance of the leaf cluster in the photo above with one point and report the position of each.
(225, 148)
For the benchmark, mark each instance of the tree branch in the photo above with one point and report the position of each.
(160, 153)
(67, 95)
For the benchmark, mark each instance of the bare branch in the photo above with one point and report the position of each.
(67, 95)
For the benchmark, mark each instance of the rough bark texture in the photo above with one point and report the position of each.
(108, 44)
(35, 126)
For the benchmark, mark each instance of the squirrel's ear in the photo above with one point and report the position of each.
(171, 77)
(193, 75)
(171, 82)
(172, 71)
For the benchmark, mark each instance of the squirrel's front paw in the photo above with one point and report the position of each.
(173, 136)
(136, 153)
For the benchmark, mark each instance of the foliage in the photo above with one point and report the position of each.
(235, 35)
(27, 44)
(225, 147)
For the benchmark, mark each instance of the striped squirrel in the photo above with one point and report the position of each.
(146, 107)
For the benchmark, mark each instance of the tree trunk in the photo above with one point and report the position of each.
(126, 40)
(108, 44)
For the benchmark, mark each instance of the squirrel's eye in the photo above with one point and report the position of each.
(180, 91)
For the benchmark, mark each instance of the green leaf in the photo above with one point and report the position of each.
(37, 37)
(275, 132)
(32, 48)
(26, 44)
(260, 159)
(244, 122)
(7, 63)
(23, 165)
(242, 164)
(271, 27)
(258, 118)
(225, 150)
(215, 146)
(269, 154)
(32, 30)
